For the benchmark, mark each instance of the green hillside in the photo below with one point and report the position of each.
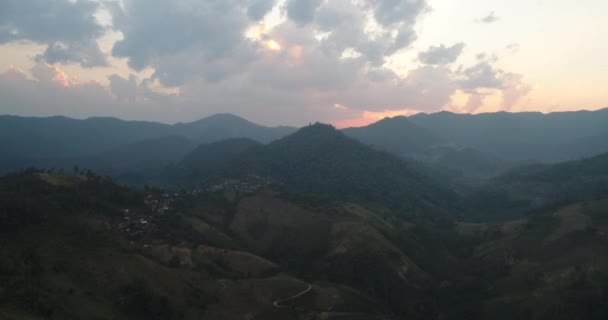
(319, 160)
(529, 187)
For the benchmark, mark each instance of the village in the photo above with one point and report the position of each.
(250, 184)
(143, 223)
(137, 224)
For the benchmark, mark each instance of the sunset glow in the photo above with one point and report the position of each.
(273, 45)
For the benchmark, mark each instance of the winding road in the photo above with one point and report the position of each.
(278, 304)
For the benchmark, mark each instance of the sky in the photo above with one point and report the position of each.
(292, 62)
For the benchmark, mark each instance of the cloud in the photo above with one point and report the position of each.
(301, 11)
(513, 47)
(441, 55)
(124, 89)
(219, 56)
(513, 90)
(183, 38)
(375, 29)
(475, 102)
(490, 18)
(68, 28)
(259, 8)
(482, 75)
(87, 53)
(51, 92)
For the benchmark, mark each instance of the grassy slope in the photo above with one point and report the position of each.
(558, 257)
(68, 263)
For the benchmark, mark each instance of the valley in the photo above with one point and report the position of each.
(316, 225)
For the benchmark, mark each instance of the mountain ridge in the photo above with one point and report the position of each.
(319, 159)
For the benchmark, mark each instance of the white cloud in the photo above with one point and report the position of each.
(68, 28)
(219, 56)
(441, 55)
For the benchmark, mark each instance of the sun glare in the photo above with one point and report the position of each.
(273, 45)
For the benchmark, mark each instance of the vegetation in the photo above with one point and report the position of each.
(531, 187)
(319, 160)
(235, 226)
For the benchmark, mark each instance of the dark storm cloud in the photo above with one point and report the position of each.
(68, 28)
(441, 55)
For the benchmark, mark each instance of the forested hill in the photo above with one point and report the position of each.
(321, 160)
(525, 188)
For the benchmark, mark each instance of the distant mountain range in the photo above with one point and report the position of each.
(98, 143)
(467, 148)
(362, 223)
(526, 136)
(523, 189)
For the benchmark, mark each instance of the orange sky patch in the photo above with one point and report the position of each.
(369, 117)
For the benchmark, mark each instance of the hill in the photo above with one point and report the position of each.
(58, 141)
(208, 156)
(397, 135)
(530, 187)
(227, 126)
(402, 137)
(551, 265)
(77, 245)
(144, 154)
(522, 137)
(53, 137)
(319, 160)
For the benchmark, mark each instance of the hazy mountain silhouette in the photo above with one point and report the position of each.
(525, 188)
(402, 137)
(212, 155)
(226, 126)
(46, 141)
(467, 148)
(370, 234)
(397, 135)
(146, 154)
(321, 160)
(522, 137)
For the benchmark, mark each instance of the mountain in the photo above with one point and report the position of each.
(397, 135)
(530, 187)
(208, 156)
(321, 160)
(402, 137)
(145, 154)
(64, 137)
(45, 142)
(522, 137)
(226, 126)
(548, 265)
(79, 245)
